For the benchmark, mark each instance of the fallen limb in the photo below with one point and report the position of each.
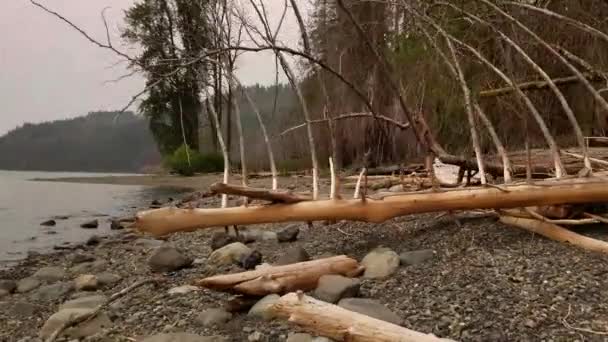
(529, 213)
(580, 156)
(339, 324)
(280, 196)
(539, 85)
(557, 233)
(165, 221)
(282, 279)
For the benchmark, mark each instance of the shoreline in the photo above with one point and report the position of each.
(189, 183)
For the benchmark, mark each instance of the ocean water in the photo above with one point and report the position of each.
(24, 204)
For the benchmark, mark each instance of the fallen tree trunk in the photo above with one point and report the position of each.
(572, 190)
(557, 233)
(539, 85)
(282, 279)
(339, 324)
(279, 196)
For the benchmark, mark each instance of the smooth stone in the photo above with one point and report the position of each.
(228, 254)
(78, 258)
(370, 308)
(292, 256)
(380, 263)
(331, 288)
(106, 278)
(262, 308)
(183, 289)
(183, 337)
(93, 240)
(289, 233)
(167, 259)
(50, 274)
(8, 285)
(213, 317)
(89, 267)
(86, 282)
(48, 223)
(88, 302)
(52, 292)
(27, 284)
(416, 257)
(90, 224)
(396, 188)
(268, 236)
(251, 260)
(89, 328)
(221, 239)
(23, 309)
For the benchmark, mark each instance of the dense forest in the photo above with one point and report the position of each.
(99, 141)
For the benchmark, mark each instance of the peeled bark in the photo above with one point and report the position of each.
(339, 324)
(282, 279)
(573, 190)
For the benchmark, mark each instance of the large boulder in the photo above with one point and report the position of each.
(229, 254)
(50, 274)
(332, 287)
(91, 327)
(292, 256)
(167, 259)
(370, 308)
(52, 292)
(263, 308)
(380, 263)
(27, 284)
(183, 337)
(416, 257)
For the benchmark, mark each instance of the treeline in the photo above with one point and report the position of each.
(99, 141)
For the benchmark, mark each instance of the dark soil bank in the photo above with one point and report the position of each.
(484, 282)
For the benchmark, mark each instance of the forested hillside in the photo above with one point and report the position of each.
(99, 141)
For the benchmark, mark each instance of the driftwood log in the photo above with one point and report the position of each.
(339, 324)
(165, 221)
(277, 196)
(282, 279)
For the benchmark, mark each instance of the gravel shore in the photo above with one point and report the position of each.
(481, 281)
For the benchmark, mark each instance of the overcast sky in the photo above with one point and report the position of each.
(48, 71)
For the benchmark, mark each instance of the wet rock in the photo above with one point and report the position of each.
(50, 274)
(90, 224)
(116, 225)
(289, 233)
(293, 255)
(61, 217)
(183, 337)
(52, 292)
(213, 317)
(89, 267)
(97, 324)
(221, 239)
(8, 285)
(23, 309)
(79, 257)
(331, 288)
(93, 240)
(106, 278)
(155, 202)
(148, 243)
(262, 308)
(48, 223)
(27, 284)
(86, 282)
(370, 308)
(167, 259)
(416, 257)
(251, 260)
(183, 289)
(380, 263)
(232, 253)
(88, 302)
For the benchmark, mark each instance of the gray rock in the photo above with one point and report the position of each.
(48, 223)
(23, 309)
(27, 284)
(300, 337)
(8, 285)
(183, 337)
(52, 292)
(262, 308)
(213, 317)
(289, 233)
(251, 260)
(90, 224)
(4, 293)
(89, 267)
(78, 258)
(331, 288)
(221, 239)
(416, 257)
(380, 263)
(116, 225)
(93, 240)
(268, 236)
(167, 259)
(89, 328)
(148, 243)
(293, 255)
(50, 274)
(88, 302)
(106, 278)
(229, 254)
(396, 188)
(370, 308)
(86, 282)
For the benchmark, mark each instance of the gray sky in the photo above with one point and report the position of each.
(49, 71)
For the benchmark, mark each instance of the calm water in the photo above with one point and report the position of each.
(24, 204)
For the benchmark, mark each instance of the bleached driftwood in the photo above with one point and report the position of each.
(339, 324)
(282, 279)
(280, 196)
